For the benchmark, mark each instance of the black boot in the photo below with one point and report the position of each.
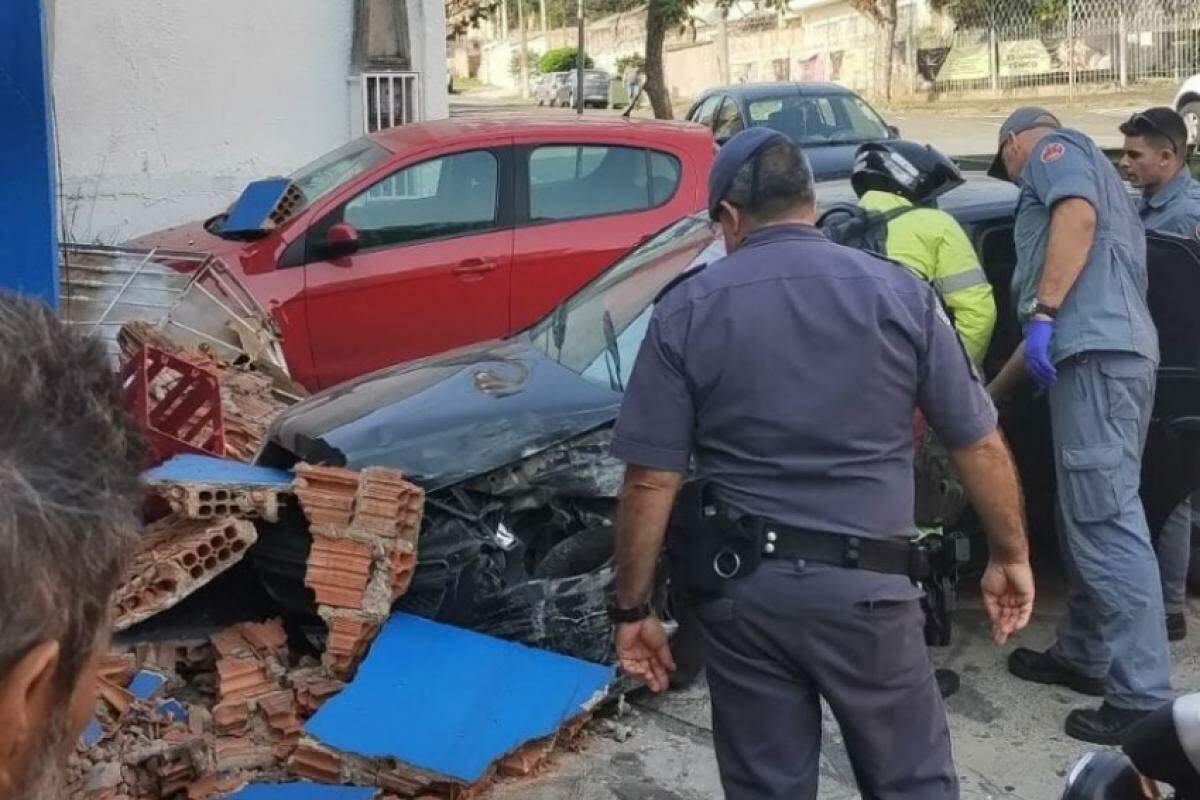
(1105, 725)
(947, 681)
(1176, 627)
(1031, 665)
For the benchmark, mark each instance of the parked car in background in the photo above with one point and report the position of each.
(830, 121)
(425, 237)
(544, 88)
(595, 89)
(556, 91)
(510, 438)
(1187, 103)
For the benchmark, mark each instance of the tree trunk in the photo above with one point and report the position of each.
(656, 83)
(885, 60)
(524, 54)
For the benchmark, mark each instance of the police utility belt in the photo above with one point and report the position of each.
(710, 544)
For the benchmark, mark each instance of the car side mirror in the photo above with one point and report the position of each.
(893, 131)
(340, 240)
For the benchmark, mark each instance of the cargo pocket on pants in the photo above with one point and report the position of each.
(1092, 481)
(1125, 387)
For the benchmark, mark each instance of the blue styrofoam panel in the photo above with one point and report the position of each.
(301, 791)
(191, 468)
(450, 701)
(251, 211)
(27, 236)
(92, 734)
(172, 709)
(145, 683)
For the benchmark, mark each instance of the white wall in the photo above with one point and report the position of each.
(427, 30)
(166, 108)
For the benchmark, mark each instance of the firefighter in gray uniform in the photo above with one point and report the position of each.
(1080, 287)
(1155, 162)
(789, 372)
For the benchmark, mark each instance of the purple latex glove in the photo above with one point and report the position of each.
(1037, 352)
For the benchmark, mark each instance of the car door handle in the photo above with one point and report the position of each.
(474, 266)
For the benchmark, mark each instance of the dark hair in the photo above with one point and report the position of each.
(68, 487)
(776, 182)
(1162, 127)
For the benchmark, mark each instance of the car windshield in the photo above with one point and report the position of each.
(331, 170)
(819, 119)
(597, 332)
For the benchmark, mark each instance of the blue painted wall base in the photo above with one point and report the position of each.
(28, 239)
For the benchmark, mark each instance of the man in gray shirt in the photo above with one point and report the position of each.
(1154, 161)
(789, 372)
(1080, 286)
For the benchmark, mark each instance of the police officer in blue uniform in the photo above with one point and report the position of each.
(788, 372)
(1155, 162)
(1080, 288)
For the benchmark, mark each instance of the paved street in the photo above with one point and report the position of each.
(954, 129)
(1008, 735)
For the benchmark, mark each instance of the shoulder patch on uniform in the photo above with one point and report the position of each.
(678, 279)
(1052, 152)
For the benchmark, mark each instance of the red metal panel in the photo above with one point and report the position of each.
(177, 403)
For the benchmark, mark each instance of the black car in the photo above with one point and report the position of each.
(510, 438)
(829, 120)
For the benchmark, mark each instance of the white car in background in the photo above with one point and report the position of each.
(1187, 103)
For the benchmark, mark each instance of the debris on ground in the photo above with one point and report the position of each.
(459, 730)
(192, 400)
(260, 707)
(177, 556)
(213, 503)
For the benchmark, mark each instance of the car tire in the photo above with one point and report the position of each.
(1191, 118)
(578, 554)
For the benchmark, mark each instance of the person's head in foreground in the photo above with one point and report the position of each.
(68, 495)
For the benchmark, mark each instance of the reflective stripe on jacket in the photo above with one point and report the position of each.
(934, 246)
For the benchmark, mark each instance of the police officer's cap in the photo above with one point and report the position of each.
(1025, 118)
(736, 152)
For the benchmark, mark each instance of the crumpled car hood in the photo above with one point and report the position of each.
(448, 418)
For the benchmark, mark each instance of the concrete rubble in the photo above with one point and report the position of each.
(252, 393)
(201, 718)
(364, 541)
(177, 557)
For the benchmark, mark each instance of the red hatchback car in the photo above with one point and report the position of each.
(426, 237)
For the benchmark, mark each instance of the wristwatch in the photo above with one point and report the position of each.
(1045, 310)
(620, 615)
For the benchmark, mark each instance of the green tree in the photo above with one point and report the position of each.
(999, 14)
(563, 59)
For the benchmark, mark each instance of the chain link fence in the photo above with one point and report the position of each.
(1011, 44)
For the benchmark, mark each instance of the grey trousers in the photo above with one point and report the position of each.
(1114, 627)
(787, 636)
(1174, 553)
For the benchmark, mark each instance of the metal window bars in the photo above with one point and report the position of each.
(390, 99)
